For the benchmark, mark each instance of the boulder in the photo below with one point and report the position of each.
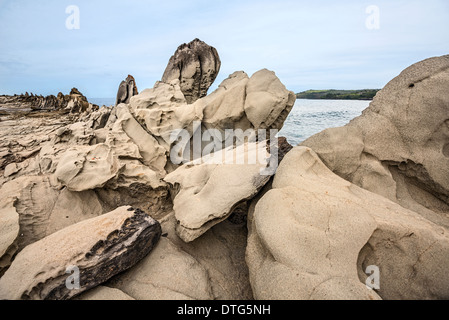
(211, 267)
(99, 248)
(206, 194)
(195, 65)
(126, 90)
(314, 235)
(87, 167)
(398, 147)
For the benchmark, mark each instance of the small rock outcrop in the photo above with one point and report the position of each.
(126, 90)
(195, 65)
(74, 103)
(99, 248)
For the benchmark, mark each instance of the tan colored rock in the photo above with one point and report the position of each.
(11, 169)
(268, 102)
(33, 198)
(148, 149)
(398, 147)
(102, 293)
(72, 207)
(9, 226)
(100, 248)
(167, 273)
(163, 111)
(87, 167)
(221, 251)
(210, 268)
(314, 234)
(209, 192)
(43, 210)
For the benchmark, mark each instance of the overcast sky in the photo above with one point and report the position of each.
(309, 44)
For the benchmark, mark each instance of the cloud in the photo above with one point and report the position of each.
(307, 43)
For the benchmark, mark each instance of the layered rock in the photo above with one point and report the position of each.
(99, 248)
(314, 235)
(195, 65)
(398, 147)
(126, 90)
(75, 102)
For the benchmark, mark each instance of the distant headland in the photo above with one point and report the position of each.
(365, 94)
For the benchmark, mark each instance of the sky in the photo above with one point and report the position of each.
(321, 44)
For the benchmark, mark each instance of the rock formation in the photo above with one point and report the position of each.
(209, 192)
(60, 171)
(211, 267)
(398, 147)
(75, 102)
(99, 248)
(232, 106)
(195, 65)
(126, 90)
(371, 194)
(314, 234)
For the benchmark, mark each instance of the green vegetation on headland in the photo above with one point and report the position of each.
(365, 94)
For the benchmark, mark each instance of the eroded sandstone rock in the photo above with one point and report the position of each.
(100, 248)
(195, 65)
(314, 234)
(396, 148)
(206, 194)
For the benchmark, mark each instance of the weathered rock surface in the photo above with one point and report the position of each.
(87, 167)
(195, 65)
(126, 90)
(75, 102)
(398, 147)
(163, 109)
(209, 192)
(102, 293)
(167, 273)
(100, 247)
(9, 226)
(313, 235)
(211, 267)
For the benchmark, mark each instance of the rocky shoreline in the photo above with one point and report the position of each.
(112, 200)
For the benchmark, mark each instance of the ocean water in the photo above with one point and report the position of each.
(102, 101)
(308, 117)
